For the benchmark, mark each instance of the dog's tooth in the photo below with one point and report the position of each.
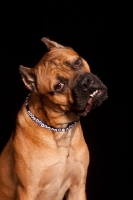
(94, 93)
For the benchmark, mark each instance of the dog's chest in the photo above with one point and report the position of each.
(60, 175)
(64, 169)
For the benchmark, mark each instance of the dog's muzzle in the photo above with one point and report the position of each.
(88, 92)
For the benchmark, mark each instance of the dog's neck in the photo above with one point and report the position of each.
(47, 126)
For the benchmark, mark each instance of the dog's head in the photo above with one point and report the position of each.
(64, 81)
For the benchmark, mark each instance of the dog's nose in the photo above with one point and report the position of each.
(85, 83)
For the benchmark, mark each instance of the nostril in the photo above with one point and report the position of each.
(85, 86)
(88, 81)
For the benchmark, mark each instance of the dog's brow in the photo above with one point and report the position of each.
(72, 63)
(62, 79)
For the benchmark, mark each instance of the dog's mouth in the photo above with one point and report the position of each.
(92, 102)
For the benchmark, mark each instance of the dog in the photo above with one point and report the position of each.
(46, 157)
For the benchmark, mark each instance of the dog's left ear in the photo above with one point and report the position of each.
(50, 44)
(28, 77)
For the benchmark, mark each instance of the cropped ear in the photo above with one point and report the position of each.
(28, 77)
(50, 44)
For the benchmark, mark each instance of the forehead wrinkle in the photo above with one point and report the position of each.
(55, 58)
(60, 53)
(58, 66)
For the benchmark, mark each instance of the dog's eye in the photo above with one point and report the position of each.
(78, 63)
(59, 87)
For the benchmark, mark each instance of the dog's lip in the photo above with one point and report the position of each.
(90, 102)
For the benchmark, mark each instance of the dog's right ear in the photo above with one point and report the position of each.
(50, 44)
(28, 77)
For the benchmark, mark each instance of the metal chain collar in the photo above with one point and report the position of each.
(42, 124)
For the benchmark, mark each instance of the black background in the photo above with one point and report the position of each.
(98, 31)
